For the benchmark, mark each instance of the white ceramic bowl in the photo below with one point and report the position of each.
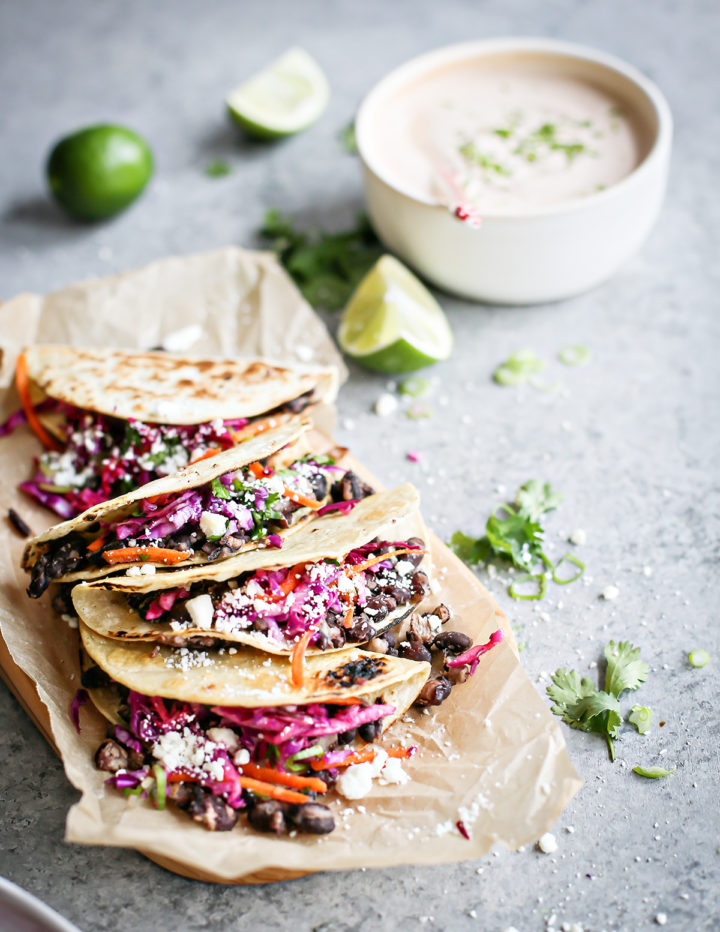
(538, 254)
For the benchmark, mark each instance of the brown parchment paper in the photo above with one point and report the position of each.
(491, 755)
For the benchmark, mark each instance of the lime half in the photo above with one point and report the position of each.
(284, 98)
(392, 323)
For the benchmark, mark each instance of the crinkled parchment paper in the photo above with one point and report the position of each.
(491, 755)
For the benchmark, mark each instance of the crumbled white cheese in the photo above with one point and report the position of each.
(225, 736)
(181, 340)
(661, 919)
(148, 569)
(188, 751)
(393, 772)
(403, 567)
(385, 405)
(213, 525)
(201, 610)
(356, 781)
(547, 843)
(133, 571)
(578, 537)
(610, 593)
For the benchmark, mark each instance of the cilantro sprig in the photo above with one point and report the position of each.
(584, 706)
(513, 533)
(326, 267)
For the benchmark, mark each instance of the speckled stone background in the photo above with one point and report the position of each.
(631, 440)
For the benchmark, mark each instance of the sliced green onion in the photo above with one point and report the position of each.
(132, 790)
(653, 772)
(699, 658)
(414, 387)
(294, 762)
(640, 716)
(575, 355)
(217, 168)
(518, 368)
(568, 558)
(160, 791)
(418, 412)
(539, 579)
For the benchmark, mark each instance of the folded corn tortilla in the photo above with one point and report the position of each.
(392, 515)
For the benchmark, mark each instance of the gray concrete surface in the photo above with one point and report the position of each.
(632, 440)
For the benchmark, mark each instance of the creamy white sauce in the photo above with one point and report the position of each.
(504, 134)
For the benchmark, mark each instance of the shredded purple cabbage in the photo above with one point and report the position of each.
(473, 654)
(79, 700)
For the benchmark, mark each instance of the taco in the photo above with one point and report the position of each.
(340, 580)
(112, 421)
(208, 511)
(218, 732)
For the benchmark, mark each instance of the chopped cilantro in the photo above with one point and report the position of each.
(470, 152)
(653, 772)
(326, 267)
(582, 705)
(575, 355)
(469, 549)
(536, 497)
(503, 133)
(217, 168)
(219, 490)
(640, 716)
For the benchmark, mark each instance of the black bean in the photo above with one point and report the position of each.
(94, 678)
(420, 629)
(414, 650)
(268, 815)
(337, 637)
(443, 613)
(136, 760)
(350, 487)
(414, 558)
(378, 644)
(399, 593)
(111, 756)
(212, 811)
(377, 605)
(313, 818)
(434, 692)
(17, 522)
(370, 730)
(319, 485)
(454, 642)
(361, 631)
(180, 793)
(322, 641)
(347, 737)
(420, 586)
(390, 638)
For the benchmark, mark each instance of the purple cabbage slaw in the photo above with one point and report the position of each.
(288, 615)
(473, 654)
(270, 734)
(117, 455)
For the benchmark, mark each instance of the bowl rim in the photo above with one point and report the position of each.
(421, 64)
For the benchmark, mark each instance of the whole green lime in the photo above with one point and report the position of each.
(99, 170)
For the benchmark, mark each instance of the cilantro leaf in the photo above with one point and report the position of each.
(567, 690)
(599, 712)
(469, 549)
(516, 536)
(326, 267)
(640, 716)
(534, 498)
(625, 670)
(219, 490)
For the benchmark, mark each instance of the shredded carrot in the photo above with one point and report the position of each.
(22, 380)
(292, 579)
(302, 499)
(272, 790)
(146, 554)
(360, 567)
(213, 451)
(177, 776)
(348, 619)
(255, 428)
(286, 779)
(257, 470)
(97, 543)
(367, 754)
(297, 665)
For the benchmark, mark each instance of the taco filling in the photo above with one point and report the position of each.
(100, 457)
(333, 602)
(273, 762)
(202, 524)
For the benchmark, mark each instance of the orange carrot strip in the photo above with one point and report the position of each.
(255, 428)
(213, 451)
(302, 499)
(297, 665)
(360, 757)
(348, 619)
(286, 779)
(97, 543)
(257, 470)
(148, 554)
(360, 567)
(270, 789)
(292, 579)
(22, 381)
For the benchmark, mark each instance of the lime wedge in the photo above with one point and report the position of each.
(284, 98)
(392, 323)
